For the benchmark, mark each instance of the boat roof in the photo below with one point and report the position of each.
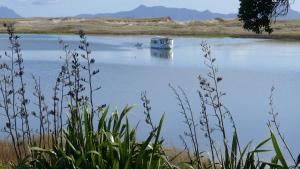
(160, 38)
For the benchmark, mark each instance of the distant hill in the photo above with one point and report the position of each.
(142, 11)
(178, 14)
(291, 15)
(8, 13)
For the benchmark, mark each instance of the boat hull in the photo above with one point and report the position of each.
(161, 44)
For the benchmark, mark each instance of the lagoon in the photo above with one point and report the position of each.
(250, 67)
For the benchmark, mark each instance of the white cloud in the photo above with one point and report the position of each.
(24, 2)
(44, 2)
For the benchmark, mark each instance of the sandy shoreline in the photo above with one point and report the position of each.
(288, 29)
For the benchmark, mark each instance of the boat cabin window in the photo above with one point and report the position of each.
(154, 41)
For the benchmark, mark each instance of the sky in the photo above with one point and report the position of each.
(53, 8)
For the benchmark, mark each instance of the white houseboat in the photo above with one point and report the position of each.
(161, 43)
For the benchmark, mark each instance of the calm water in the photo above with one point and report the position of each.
(249, 67)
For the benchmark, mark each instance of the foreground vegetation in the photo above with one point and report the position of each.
(75, 133)
(289, 29)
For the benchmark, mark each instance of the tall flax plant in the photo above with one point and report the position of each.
(114, 145)
(14, 100)
(85, 47)
(212, 123)
(274, 126)
(41, 112)
(191, 133)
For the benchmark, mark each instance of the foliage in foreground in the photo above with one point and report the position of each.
(113, 145)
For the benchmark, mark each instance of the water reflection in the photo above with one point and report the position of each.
(162, 53)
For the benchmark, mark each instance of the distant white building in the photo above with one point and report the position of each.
(162, 43)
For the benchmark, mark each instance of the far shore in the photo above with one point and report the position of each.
(283, 29)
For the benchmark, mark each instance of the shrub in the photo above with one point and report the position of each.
(112, 145)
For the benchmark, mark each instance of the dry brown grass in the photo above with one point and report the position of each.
(7, 153)
(177, 156)
(151, 26)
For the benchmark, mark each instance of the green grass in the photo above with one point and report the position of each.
(2, 166)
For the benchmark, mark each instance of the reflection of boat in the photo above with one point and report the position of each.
(161, 43)
(162, 53)
(138, 45)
